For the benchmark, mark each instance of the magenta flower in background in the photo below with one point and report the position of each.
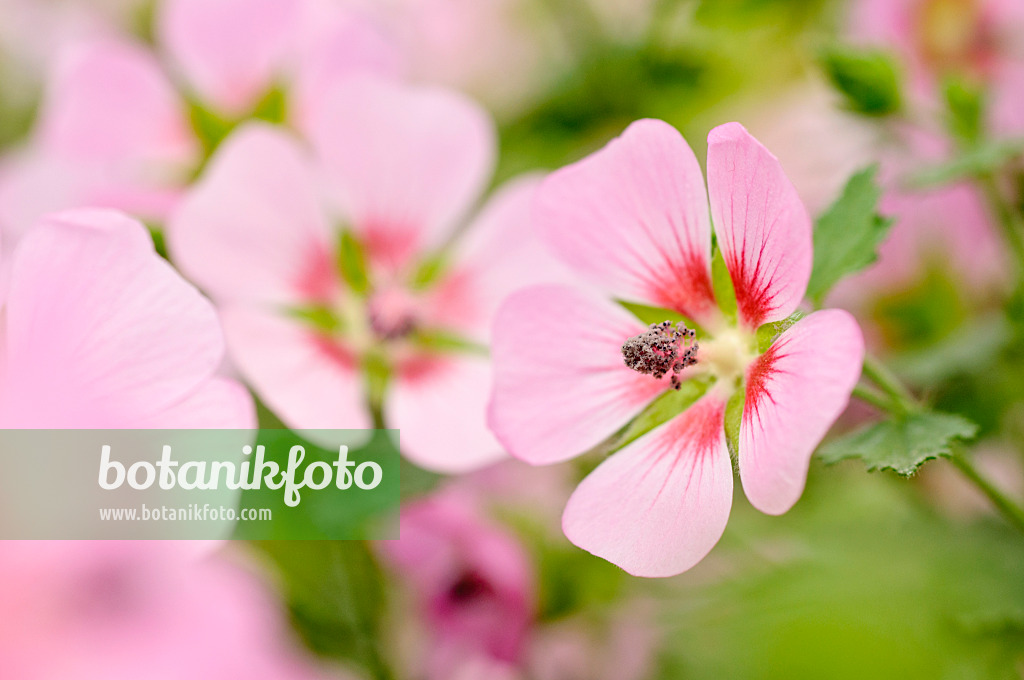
(123, 610)
(473, 583)
(115, 130)
(100, 332)
(979, 39)
(633, 218)
(401, 166)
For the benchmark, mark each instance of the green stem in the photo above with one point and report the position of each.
(1010, 510)
(357, 619)
(1009, 222)
(870, 395)
(876, 372)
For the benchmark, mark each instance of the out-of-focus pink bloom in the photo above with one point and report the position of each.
(473, 583)
(496, 50)
(978, 38)
(100, 332)
(114, 131)
(634, 219)
(126, 610)
(403, 166)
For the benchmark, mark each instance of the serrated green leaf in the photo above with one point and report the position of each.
(847, 235)
(903, 444)
(868, 79)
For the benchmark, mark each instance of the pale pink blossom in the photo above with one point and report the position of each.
(979, 39)
(115, 128)
(472, 583)
(100, 332)
(634, 219)
(403, 165)
(113, 610)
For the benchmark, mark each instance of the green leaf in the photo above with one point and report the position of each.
(352, 262)
(847, 235)
(721, 283)
(660, 411)
(429, 271)
(768, 333)
(903, 444)
(868, 79)
(336, 594)
(733, 420)
(965, 106)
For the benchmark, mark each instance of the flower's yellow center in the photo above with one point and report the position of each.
(728, 354)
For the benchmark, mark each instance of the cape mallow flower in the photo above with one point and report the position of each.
(339, 308)
(123, 126)
(572, 368)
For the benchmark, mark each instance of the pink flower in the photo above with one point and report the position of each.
(974, 38)
(126, 610)
(100, 332)
(114, 130)
(402, 167)
(572, 368)
(471, 579)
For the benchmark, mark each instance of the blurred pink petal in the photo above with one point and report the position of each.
(308, 381)
(108, 100)
(229, 51)
(659, 505)
(794, 392)
(101, 332)
(633, 219)
(335, 43)
(252, 229)
(500, 253)
(405, 164)
(123, 610)
(763, 229)
(566, 346)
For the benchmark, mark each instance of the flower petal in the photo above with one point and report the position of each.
(500, 254)
(309, 383)
(336, 43)
(230, 51)
(659, 505)
(101, 332)
(763, 229)
(219, 404)
(560, 383)
(109, 101)
(405, 163)
(253, 228)
(633, 218)
(795, 391)
(440, 404)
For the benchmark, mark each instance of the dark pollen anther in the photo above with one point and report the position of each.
(661, 350)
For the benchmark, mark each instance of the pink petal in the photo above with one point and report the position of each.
(307, 382)
(253, 229)
(218, 404)
(560, 383)
(109, 101)
(230, 51)
(633, 218)
(658, 506)
(500, 254)
(404, 163)
(439, 404)
(335, 43)
(101, 332)
(763, 229)
(795, 391)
